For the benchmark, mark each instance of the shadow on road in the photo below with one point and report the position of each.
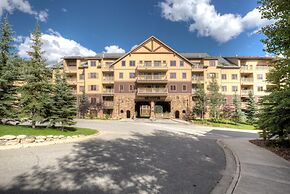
(164, 162)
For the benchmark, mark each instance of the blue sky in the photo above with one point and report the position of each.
(218, 27)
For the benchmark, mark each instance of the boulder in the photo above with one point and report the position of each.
(28, 140)
(41, 137)
(12, 142)
(8, 137)
(39, 140)
(75, 136)
(49, 136)
(61, 136)
(21, 136)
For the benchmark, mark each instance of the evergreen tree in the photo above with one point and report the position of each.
(36, 90)
(237, 114)
(63, 105)
(8, 73)
(274, 117)
(215, 99)
(83, 105)
(200, 102)
(251, 109)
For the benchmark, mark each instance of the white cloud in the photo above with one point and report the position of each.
(23, 6)
(113, 49)
(134, 46)
(64, 10)
(55, 46)
(206, 21)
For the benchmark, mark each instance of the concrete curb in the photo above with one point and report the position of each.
(230, 179)
(181, 121)
(61, 141)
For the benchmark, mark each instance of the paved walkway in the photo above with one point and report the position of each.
(261, 171)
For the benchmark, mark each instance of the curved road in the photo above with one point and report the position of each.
(139, 156)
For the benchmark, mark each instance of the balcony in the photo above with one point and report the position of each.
(107, 68)
(72, 81)
(246, 69)
(152, 67)
(152, 91)
(151, 79)
(108, 80)
(197, 79)
(108, 91)
(262, 68)
(108, 104)
(247, 81)
(246, 92)
(197, 67)
(70, 69)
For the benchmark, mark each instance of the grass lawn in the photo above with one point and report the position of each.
(25, 130)
(213, 124)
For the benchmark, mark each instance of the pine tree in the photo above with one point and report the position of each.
(36, 90)
(237, 113)
(200, 102)
(84, 105)
(215, 99)
(8, 73)
(63, 102)
(274, 116)
(251, 109)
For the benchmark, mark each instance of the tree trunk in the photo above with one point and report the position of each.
(33, 124)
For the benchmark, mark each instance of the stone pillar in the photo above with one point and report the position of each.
(152, 110)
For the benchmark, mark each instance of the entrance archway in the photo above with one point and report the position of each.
(128, 114)
(177, 114)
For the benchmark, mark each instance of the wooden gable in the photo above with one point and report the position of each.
(152, 45)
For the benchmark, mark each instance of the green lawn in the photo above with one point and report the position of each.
(213, 124)
(25, 130)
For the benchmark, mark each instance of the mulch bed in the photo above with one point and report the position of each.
(281, 148)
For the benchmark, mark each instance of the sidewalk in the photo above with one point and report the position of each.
(261, 171)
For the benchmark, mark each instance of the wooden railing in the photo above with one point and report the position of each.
(152, 90)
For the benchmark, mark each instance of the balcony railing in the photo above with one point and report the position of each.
(108, 91)
(246, 79)
(198, 78)
(265, 68)
(246, 68)
(246, 92)
(151, 77)
(70, 68)
(152, 66)
(197, 66)
(108, 79)
(107, 67)
(152, 90)
(108, 103)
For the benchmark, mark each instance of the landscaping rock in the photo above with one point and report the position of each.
(28, 140)
(61, 136)
(2, 142)
(69, 137)
(39, 140)
(41, 137)
(8, 137)
(21, 137)
(49, 136)
(81, 136)
(12, 142)
(75, 136)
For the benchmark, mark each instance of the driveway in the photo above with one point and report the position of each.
(127, 157)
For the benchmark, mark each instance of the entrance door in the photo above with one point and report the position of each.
(128, 114)
(177, 114)
(145, 111)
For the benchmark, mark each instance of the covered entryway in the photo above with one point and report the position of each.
(142, 109)
(177, 114)
(128, 114)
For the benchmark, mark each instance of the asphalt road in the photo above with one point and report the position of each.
(127, 157)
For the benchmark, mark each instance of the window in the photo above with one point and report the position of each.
(224, 88)
(93, 88)
(82, 76)
(93, 75)
(132, 63)
(224, 76)
(123, 63)
(183, 75)
(234, 76)
(259, 76)
(93, 64)
(234, 88)
(260, 88)
(184, 88)
(121, 75)
(82, 88)
(132, 87)
(212, 75)
(172, 63)
(181, 63)
(157, 63)
(173, 87)
(121, 87)
(147, 63)
(212, 63)
(93, 101)
(132, 75)
(172, 75)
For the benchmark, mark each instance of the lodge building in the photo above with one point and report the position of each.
(153, 80)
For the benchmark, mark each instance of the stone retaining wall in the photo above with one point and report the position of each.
(24, 139)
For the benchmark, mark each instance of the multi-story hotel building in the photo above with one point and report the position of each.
(154, 76)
